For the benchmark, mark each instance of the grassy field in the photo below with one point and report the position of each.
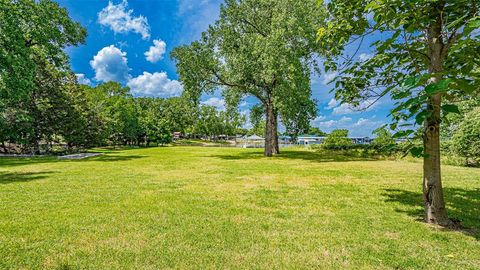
(198, 207)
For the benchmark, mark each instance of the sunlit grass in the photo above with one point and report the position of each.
(198, 207)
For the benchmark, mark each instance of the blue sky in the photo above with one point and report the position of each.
(130, 42)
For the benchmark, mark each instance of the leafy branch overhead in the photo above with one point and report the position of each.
(424, 56)
(400, 63)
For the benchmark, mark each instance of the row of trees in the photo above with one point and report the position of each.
(81, 116)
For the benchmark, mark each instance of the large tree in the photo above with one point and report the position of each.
(261, 48)
(33, 67)
(425, 56)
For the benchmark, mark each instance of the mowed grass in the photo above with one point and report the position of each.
(198, 207)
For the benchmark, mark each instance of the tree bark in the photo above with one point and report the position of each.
(271, 136)
(435, 211)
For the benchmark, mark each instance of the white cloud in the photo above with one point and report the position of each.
(155, 85)
(81, 79)
(110, 64)
(364, 106)
(364, 56)
(345, 119)
(369, 124)
(329, 77)
(215, 102)
(327, 124)
(332, 104)
(120, 20)
(156, 52)
(317, 120)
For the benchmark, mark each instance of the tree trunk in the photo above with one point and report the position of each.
(271, 136)
(435, 211)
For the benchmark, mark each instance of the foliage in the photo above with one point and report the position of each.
(466, 140)
(424, 57)
(258, 48)
(34, 99)
(400, 65)
(384, 141)
(212, 123)
(337, 139)
(316, 131)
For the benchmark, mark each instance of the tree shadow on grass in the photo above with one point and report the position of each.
(8, 162)
(314, 156)
(17, 177)
(462, 205)
(111, 158)
(17, 161)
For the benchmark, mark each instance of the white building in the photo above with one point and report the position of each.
(311, 139)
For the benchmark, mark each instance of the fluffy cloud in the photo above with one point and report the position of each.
(215, 102)
(369, 124)
(317, 120)
(81, 79)
(155, 85)
(332, 104)
(364, 57)
(364, 106)
(156, 52)
(110, 64)
(329, 77)
(120, 20)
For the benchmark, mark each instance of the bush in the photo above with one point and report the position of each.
(466, 140)
(337, 140)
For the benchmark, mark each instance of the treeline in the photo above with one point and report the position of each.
(460, 139)
(79, 116)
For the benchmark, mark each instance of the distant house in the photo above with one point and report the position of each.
(177, 135)
(253, 141)
(312, 139)
(285, 139)
(361, 140)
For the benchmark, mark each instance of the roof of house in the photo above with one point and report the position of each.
(254, 137)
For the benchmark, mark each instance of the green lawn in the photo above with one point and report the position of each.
(199, 207)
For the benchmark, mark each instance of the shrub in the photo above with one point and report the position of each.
(466, 140)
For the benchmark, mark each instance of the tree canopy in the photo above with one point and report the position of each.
(260, 48)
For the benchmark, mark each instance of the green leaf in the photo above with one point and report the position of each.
(457, 21)
(403, 133)
(431, 89)
(411, 82)
(439, 87)
(450, 108)
(416, 151)
(420, 118)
